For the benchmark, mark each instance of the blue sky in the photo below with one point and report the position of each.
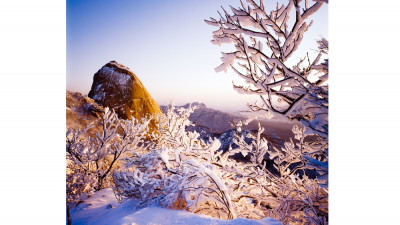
(166, 43)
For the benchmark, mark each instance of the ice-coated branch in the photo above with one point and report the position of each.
(292, 192)
(264, 40)
(183, 172)
(91, 160)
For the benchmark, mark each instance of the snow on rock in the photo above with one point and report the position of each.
(117, 87)
(96, 211)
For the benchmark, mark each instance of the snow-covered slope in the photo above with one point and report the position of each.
(103, 208)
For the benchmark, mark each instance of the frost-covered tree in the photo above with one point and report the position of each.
(264, 40)
(90, 159)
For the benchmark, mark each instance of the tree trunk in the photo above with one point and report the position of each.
(68, 216)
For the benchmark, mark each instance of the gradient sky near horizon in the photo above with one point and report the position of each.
(165, 43)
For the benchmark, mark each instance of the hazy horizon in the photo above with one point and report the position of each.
(166, 44)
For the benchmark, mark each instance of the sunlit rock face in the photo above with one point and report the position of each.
(82, 111)
(117, 87)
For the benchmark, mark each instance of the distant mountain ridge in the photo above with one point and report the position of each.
(214, 120)
(208, 120)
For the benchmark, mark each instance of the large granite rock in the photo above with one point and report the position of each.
(117, 87)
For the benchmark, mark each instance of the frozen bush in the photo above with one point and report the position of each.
(90, 160)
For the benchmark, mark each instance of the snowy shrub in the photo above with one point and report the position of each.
(183, 172)
(90, 159)
(297, 198)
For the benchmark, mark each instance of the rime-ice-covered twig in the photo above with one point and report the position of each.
(297, 198)
(264, 40)
(183, 172)
(91, 160)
